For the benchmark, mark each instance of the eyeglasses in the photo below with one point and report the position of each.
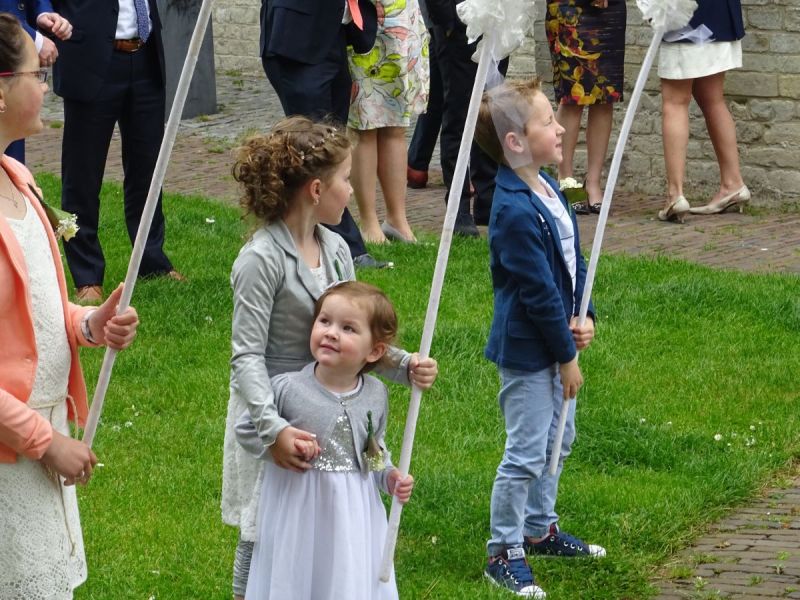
(41, 74)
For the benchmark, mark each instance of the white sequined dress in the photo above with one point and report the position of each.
(41, 545)
(321, 532)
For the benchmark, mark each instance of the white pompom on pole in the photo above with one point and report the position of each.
(663, 15)
(436, 293)
(167, 142)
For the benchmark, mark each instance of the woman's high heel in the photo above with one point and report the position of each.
(393, 234)
(738, 198)
(675, 211)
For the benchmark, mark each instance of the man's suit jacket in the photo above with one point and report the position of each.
(83, 60)
(305, 30)
(26, 12)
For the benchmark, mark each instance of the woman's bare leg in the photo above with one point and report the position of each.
(363, 177)
(598, 131)
(569, 116)
(391, 169)
(675, 97)
(708, 91)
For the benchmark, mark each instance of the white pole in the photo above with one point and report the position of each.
(613, 173)
(453, 199)
(167, 142)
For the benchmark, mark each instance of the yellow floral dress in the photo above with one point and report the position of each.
(390, 82)
(587, 48)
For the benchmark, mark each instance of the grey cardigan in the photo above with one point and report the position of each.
(305, 403)
(273, 305)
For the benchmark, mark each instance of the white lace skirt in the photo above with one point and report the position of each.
(691, 61)
(41, 545)
(320, 537)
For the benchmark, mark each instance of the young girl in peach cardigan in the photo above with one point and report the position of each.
(41, 384)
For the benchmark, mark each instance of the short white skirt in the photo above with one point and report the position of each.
(690, 61)
(320, 537)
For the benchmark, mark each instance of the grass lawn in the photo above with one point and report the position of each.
(689, 407)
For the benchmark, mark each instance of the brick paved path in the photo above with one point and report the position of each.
(755, 552)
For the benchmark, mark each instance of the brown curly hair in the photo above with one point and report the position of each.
(272, 167)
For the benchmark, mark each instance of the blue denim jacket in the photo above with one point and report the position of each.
(533, 295)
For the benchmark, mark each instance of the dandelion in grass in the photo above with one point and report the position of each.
(717, 437)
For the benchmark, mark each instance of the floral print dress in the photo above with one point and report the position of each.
(587, 48)
(390, 82)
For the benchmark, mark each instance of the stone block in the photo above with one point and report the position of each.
(771, 63)
(768, 156)
(789, 86)
(784, 43)
(765, 18)
(783, 133)
(748, 131)
(762, 110)
(739, 109)
(742, 83)
(755, 42)
(791, 20)
(784, 109)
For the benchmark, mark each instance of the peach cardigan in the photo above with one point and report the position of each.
(23, 430)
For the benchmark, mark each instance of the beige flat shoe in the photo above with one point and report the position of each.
(675, 211)
(738, 198)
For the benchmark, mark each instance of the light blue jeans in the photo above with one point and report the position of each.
(524, 492)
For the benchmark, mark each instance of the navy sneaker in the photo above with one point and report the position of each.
(510, 570)
(558, 543)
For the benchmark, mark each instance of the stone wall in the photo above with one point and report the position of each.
(764, 97)
(236, 32)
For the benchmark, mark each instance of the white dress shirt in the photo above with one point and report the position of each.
(127, 26)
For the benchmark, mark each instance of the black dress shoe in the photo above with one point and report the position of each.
(580, 208)
(366, 261)
(465, 226)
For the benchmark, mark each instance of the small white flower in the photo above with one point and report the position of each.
(128, 423)
(434, 540)
(210, 220)
(209, 319)
(642, 420)
(67, 228)
(115, 428)
(569, 183)
(752, 427)
(717, 437)
(669, 423)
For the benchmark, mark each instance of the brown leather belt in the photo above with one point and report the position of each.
(128, 45)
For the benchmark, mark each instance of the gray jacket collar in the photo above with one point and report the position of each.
(279, 232)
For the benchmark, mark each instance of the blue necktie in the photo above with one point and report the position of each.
(142, 19)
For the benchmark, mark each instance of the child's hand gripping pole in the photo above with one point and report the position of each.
(167, 142)
(436, 293)
(613, 173)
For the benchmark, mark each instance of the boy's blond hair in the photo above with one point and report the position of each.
(504, 109)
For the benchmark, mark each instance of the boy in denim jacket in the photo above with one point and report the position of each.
(538, 276)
